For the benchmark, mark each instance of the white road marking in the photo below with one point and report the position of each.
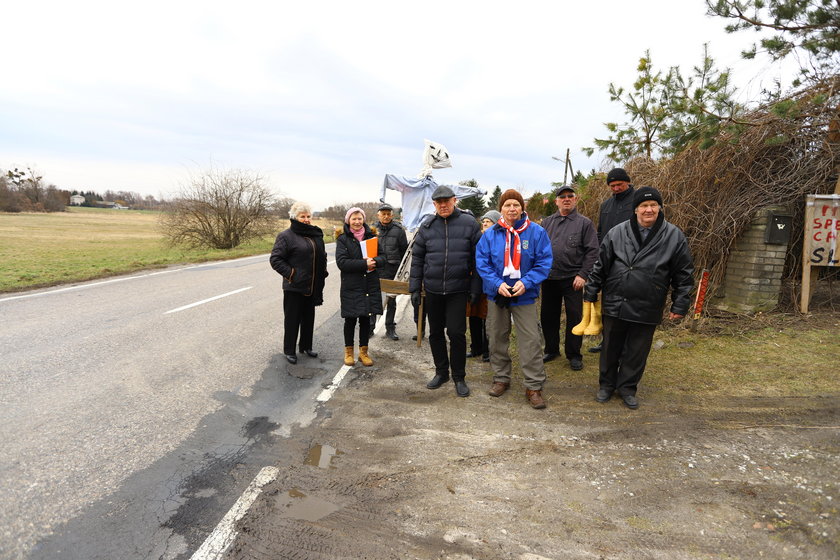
(124, 278)
(328, 392)
(208, 300)
(223, 535)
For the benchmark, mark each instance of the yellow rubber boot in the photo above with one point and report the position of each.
(578, 329)
(595, 325)
(363, 356)
(349, 360)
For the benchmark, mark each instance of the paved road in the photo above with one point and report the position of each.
(132, 419)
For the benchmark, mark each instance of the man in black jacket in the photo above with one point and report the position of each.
(637, 263)
(392, 246)
(443, 264)
(616, 209)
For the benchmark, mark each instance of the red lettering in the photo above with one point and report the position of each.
(828, 223)
(833, 209)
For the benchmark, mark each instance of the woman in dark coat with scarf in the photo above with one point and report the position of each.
(360, 295)
(300, 258)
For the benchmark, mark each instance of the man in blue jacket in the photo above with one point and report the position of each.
(513, 258)
(442, 264)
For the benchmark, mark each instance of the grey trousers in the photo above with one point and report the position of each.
(528, 343)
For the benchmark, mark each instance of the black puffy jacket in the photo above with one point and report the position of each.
(360, 295)
(392, 246)
(634, 277)
(443, 255)
(300, 258)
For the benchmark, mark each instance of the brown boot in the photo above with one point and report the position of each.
(363, 356)
(498, 389)
(349, 360)
(535, 398)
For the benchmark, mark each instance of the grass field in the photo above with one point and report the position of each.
(38, 250)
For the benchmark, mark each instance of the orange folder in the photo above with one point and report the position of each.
(370, 248)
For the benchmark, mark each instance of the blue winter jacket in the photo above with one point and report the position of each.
(535, 263)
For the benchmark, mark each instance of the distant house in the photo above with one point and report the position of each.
(77, 200)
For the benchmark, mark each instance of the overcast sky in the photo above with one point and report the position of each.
(324, 98)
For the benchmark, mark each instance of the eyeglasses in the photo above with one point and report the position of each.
(565, 196)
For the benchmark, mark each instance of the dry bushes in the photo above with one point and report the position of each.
(777, 159)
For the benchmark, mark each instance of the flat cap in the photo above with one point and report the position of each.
(442, 192)
(385, 206)
(562, 188)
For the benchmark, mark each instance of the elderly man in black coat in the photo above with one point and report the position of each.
(443, 263)
(638, 262)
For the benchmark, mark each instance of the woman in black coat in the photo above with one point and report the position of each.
(300, 258)
(360, 295)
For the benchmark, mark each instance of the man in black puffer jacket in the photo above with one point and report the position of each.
(638, 261)
(443, 264)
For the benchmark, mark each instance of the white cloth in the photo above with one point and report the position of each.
(417, 196)
(435, 156)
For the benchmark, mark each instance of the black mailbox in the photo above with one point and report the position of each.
(778, 229)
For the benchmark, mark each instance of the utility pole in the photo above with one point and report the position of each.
(567, 167)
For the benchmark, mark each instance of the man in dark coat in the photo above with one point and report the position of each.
(443, 264)
(574, 246)
(392, 246)
(616, 209)
(637, 263)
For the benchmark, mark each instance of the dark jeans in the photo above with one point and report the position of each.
(478, 337)
(350, 330)
(298, 317)
(555, 293)
(624, 354)
(448, 319)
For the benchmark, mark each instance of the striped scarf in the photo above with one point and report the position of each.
(513, 251)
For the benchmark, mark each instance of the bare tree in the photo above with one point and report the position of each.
(220, 209)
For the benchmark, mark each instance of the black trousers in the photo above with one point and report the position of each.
(448, 319)
(298, 319)
(556, 293)
(478, 336)
(350, 330)
(624, 354)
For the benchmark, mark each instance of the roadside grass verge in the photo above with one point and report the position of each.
(39, 250)
(776, 356)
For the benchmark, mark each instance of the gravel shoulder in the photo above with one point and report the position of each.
(406, 472)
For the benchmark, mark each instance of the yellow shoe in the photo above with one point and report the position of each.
(363, 356)
(578, 329)
(595, 325)
(349, 360)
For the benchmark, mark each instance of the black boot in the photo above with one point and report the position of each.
(461, 388)
(437, 381)
(391, 332)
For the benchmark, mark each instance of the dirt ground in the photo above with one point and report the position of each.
(398, 471)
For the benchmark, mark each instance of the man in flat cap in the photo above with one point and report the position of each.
(574, 245)
(443, 264)
(392, 245)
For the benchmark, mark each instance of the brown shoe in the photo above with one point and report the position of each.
(498, 389)
(535, 398)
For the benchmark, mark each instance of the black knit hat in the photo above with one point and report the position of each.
(617, 174)
(644, 194)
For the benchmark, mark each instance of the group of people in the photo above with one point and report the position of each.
(623, 270)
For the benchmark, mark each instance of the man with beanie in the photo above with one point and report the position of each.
(392, 245)
(637, 263)
(513, 258)
(443, 265)
(574, 245)
(616, 209)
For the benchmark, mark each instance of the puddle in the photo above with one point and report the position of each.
(294, 504)
(321, 456)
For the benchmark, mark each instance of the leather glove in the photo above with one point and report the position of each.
(475, 298)
(502, 301)
(415, 299)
